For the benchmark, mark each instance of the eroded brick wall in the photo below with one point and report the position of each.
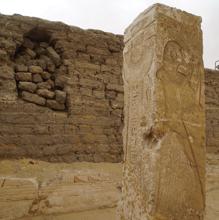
(212, 110)
(88, 124)
(88, 127)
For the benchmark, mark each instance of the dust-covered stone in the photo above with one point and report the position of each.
(53, 104)
(34, 98)
(46, 93)
(27, 86)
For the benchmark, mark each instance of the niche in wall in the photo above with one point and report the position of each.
(39, 72)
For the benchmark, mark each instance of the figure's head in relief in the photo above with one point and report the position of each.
(138, 55)
(176, 62)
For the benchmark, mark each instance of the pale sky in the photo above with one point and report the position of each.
(115, 15)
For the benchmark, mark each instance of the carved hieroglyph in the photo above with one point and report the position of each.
(164, 137)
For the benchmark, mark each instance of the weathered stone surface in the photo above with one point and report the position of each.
(53, 55)
(44, 44)
(212, 187)
(164, 134)
(30, 52)
(60, 96)
(30, 130)
(7, 84)
(45, 75)
(44, 85)
(35, 69)
(34, 98)
(6, 72)
(53, 104)
(37, 188)
(16, 196)
(21, 68)
(96, 214)
(58, 182)
(27, 86)
(99, 94)
(46, 93)
(114, 87)
(212, 110)
(37, 78)
(51, 83)
(60, 81)
(23, 76)
(28, 43)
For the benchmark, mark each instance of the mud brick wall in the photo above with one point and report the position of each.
(212, 110)
(61, 92)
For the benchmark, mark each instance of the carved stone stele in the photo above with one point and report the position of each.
(164, 134)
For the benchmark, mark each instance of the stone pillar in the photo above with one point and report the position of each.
(164, 135)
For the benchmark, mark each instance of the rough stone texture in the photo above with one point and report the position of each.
(33, 188)
(212, 143)
(212, 110)
(37, 78)
(40, 59)
(53, 55)
(34, 98)
(7, 83)
(23, 76)
(89, 127)
(164, 136)
(60, 96)
(21, 68)
(53, 104)
(20, 193)
(46, 93)
(90, 130)
(56, 182)
(212, 187)
(35, 69)
(98, 214)
(27, 86)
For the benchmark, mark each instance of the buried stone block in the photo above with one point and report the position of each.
(164, 144)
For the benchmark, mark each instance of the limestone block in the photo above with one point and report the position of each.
(35, 69)
(37, 78)
(99, 94)
(98, 214)
(53, 55)
(115, 87)
(79, 190)
(45, 75)
(58, 188)
(60, 81)
(34, 98)
(53, 104)
(44, 85)
(87, 65)
(21, 68)
(23, 76)
(60, 96)
(46, 93)
(16, 196)
(164, 134)
(27, 86)
(30, 52)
